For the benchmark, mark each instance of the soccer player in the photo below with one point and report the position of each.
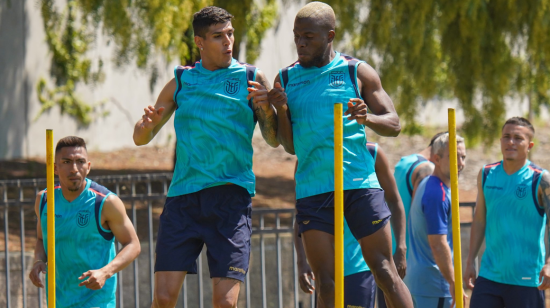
(360, 289)
(209, 200)
(430, 274)
(512, 206)
(308, 90)
(88, 218)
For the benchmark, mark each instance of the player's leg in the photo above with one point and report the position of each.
(227, 230)
(178, 246)
(380, 299)
(487, 294)
(359, 290)
(319, 247)
(315, 218)
(368, 215)
(523, 297)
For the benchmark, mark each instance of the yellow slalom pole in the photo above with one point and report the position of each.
(338, 206)
(51, 217)
(455, 210)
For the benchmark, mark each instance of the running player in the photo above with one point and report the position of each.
(513, 203)
(209, 200)
(88, 218)
(430, 275)
(310, 87)
(358, 280)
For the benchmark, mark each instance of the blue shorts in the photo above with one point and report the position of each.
(380, 298)
(219, 217)
(490, 294)
(431, 302)
(359, 290)
(365, 211)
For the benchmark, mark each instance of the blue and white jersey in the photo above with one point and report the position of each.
(81, 244)
(430, 214)
(515, 221)
(312, 93)
(214, 125)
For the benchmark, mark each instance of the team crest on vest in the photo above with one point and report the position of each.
(336, 79)
(232, 86)
(83, 218)
(521, 191)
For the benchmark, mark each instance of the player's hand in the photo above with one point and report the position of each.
(469, 276)
(96, 279)
(452, 290)
(152, 117)
(277, 97)
(357, 110)
(39, 267)
(400, 260)
(544, 278)
(258, 94)
(305, 277)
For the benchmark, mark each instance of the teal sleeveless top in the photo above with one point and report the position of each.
(353, 256)
(402, 174)
(214, 124)
(81, 244)
(514, 230)
(312, 93)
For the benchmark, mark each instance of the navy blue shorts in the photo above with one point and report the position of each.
(219, 217)
(490, 294)
(365, 211)
(380, 299)
(359, 290)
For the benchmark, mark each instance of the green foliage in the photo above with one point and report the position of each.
(478, 51)
(139, 30)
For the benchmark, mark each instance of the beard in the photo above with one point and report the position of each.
(316, 60)
(76, 186)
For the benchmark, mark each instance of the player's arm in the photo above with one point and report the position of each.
(305, 274)
(423, 170)
(40, 258)
(544, 200)
(156, 116)
(114, 216)
(383, 118)
(393, 199)
(477, 234)
(277, 97)
(267, 119)
(442, 255)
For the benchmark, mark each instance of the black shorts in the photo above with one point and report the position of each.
(365, 211)
(219, 217)
(491, 294)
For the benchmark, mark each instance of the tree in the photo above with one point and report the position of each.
(478, 51)
(138, 29)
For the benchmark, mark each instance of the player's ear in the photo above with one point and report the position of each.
(55, 169)
(331, 35)
(531, 145)
(198, 41)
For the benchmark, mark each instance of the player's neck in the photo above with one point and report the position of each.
(426, 153)
(328, 57)
(442, 177)
(210, 65)
(511, 166)
(72, 195)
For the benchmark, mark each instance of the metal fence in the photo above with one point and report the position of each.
(272, 280)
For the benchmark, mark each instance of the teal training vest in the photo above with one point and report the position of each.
(514, 230)
(312, 93)
(81, 244)
(214, 125)
(402, 174)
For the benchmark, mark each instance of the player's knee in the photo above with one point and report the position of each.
(165, 300)
(326, 286)
(224, 302)
(383, 275)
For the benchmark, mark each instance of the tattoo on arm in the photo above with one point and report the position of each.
(424, 170)
(545, 200)
(267, 122)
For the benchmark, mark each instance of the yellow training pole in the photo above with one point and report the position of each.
(455, 210)
(338, 206)
(50, 217)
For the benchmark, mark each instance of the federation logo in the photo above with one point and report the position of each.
(336, 79)
(83, 218)
(231, 86)
(521, 191)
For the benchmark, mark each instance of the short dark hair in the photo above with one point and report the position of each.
(520, 121)
(70, 142)
(435, 137)
(208, 16)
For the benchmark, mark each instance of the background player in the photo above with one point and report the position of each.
(209, 200)
(513, 203)
(358, 280)
(430, 275)
(88, 220)
(310, 87)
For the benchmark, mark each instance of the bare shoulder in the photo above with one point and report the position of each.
(113, 207)
(367, 75)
